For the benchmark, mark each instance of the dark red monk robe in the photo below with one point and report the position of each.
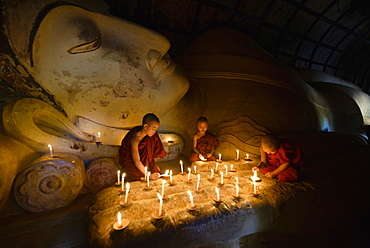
(205, 145)
(287, 152)
(149, 149)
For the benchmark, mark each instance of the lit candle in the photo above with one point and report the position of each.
(166, 172)
(195, 169)
(182, 167)
(219, 156)
(217, 194)
(148, 179)
(231, 167)
(255, 174)
(170, 176)
(222, 177)
(254, 186)
(198, 182)
(191, 199)
(98, 136)
(247, 156)
(145, 172)
(127, 190)
(216, 166)
(119, 219)
(212, 173)
(123, 180)
(51, 150)
(160, 204)
(118, 175)
(225, 170)
(236, 180)
(237, 190)
(163, 182)
(237, 154)
(189, 170)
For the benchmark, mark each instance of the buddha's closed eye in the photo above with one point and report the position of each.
(86, 47)
(89, 35)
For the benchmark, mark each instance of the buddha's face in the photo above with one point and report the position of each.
(103, 68)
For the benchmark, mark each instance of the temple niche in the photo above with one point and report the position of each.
(75, 80)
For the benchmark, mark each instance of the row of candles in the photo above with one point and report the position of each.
(191, 205)
(197, 188)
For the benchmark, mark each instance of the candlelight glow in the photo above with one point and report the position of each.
(182, 167)
(118, 175)
(127, 190)
(217, 194)
(119, 219)
(191, 199)
(160, 204)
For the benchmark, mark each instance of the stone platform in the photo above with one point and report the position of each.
(324, 198)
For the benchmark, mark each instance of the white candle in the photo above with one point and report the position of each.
(198, 182)
(166, 172)
(191, 199)
(170, 176)
(182, 167)
(255, 174)
(225, 170)
(127, 190)
(222, 177)
(247, 156)
(51, 150)
(163, 182)
(219, 156)
(254, 186)
(145, 172)
(217, 194)
(119, 219)
(216, 166)
(195, 169)
(212, 173)
(231, 167)
(189, 170)
(148, 179)
(237, 190)
(123, 181)
(236, 180)
(118, 175)
(160, 204)
(237, 154)
(98, 136)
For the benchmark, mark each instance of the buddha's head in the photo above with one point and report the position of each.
(94, 65)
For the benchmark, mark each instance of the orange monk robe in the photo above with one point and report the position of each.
(205, 145)
(287, 152)
(149, 149)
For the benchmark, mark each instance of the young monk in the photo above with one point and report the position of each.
(204, 143)
(140, 147)
(279, 158)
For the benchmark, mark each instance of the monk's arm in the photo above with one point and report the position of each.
(135, 153)
(278, 170)
(195, 139)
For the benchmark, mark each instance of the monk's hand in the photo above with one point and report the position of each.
(209, 155)
(255, 168)
(270, 174)
(154, 176)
